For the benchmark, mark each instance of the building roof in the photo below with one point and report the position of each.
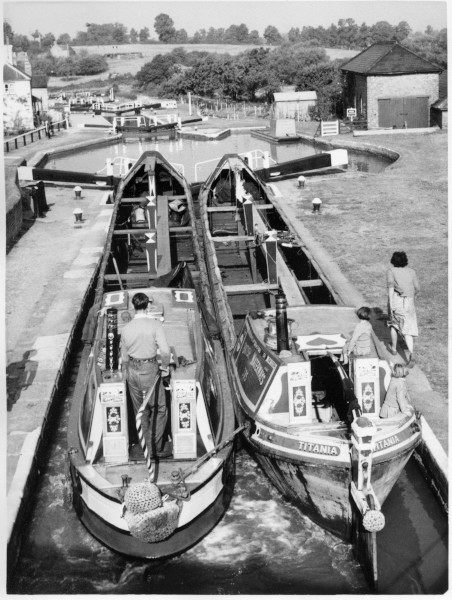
(12, 73)
(440, 104)
(294, 96)
(389, 58)
(39, 80)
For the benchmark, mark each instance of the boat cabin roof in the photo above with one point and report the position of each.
(315, 329)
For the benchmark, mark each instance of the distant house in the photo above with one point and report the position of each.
(390, 86)
(293, 105)
(17, 103)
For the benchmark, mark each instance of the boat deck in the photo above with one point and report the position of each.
(110, 476)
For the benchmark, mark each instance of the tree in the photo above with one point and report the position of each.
(91, 65)
(181, 37)
(47, 41)
(65, 67)
(20, 43)
(254, 37)
(402, 31)
(8, 34)
(42, 64)
(325, 79)
(133, 36)
(294, 34)
(144, 35)
(160, 68)
(64, 39)
(81, 39)
(119, 34)
(236, 34)
(164, 28)
(36, 36)
(272, 36)
(382, 32)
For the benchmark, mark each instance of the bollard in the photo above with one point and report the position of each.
(301, 181)
(316, 204)
(78, 213)
(78, 191)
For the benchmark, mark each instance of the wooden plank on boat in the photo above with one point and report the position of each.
(232, 238)
(310, 282)
(185, 229)
(264, 206)
(131, 200)
(250, 288)
(214, 209)
(163, 238)
(129, 276)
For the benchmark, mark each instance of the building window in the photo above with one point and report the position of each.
(9, 88)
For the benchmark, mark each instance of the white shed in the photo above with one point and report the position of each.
(293, 105)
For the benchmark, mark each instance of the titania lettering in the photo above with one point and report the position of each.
(319, 448)
(387, 442)
(260, 373)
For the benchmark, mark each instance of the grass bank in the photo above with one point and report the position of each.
(367, 216)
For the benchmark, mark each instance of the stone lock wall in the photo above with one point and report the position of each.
(399, 86)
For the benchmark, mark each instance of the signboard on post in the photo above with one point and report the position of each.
(351, 113)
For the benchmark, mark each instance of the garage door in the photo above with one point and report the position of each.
(412, 110)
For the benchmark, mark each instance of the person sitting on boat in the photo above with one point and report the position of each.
(396, 400)
(360, 342)
(140, 339)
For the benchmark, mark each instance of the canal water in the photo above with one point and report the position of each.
(191, 153)
(262, 546)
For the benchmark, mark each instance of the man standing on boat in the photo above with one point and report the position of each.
(140, 340)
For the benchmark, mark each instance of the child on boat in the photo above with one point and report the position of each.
(396, 400)
(360, 342)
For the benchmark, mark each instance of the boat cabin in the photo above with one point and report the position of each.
(305, 383)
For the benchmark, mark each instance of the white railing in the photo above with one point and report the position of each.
(254, 158)
(118, 166)
(29, 137)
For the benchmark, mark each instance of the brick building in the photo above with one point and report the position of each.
(390, 86)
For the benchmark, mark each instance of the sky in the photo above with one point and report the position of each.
(67, 16)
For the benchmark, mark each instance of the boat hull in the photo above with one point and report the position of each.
(184, 537)
(320, 486)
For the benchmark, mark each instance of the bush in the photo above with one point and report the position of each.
(91, 65)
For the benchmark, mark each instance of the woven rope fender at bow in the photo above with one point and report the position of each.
(373, 520)
(149, 517)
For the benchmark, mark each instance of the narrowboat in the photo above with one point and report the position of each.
(136, 505)
(313, 422)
